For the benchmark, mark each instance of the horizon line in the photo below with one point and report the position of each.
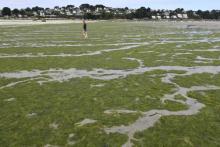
(51, 7)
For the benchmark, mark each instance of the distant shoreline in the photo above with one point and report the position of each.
(135, 19)
(39, 22)
(198, 23)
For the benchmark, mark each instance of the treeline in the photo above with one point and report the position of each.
(103, 12)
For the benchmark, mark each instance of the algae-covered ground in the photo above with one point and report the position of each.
(129, 84)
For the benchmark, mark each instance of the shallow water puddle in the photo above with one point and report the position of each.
(85, 122)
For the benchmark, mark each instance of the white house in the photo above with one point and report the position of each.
(158, 17)
(128, 11)
(42, 13)
(154, 17)
(107, 9)
(63, 9)
(166, 14)
(68, 13)
(167, 17)
(19, 16)
(88, 11)
(76, 10)
(35, 13)
(174, 17)
(180, 16)
(185, 16)
(98, 9)
(56, 8)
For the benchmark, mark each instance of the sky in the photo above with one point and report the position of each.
(154, 4)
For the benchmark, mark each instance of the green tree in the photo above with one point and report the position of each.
(28, 11)
(215, 14)
(22, 12)
(70, 7)
(6, 11)
(199, 13)
(179, 10)
(148, 13)
(15, 12)
(84, 6)
(141, 12)
(100, 6)
(206, 15)
(92, 8)
(36, 9)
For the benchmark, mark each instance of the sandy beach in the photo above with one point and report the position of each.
(38, 22)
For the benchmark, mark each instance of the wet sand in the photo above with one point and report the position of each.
(14, 22)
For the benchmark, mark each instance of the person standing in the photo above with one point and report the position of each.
(85, 34)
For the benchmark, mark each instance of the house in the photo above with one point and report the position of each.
(78, 12)
(180, 16)
(154, 17)
(97, 14)
(74, 12)
(133, 10)
(98, 9)
(62, 12)
(42, 14)
(185, 16)
(69, 13)
(128, 11)
(158, 17)
(56, 8)
(19, 16)
(70, 7)
(63, 9)
(88, 11)
(174, 17)
(166, 13)
(35, 13)
(48, 11)
(107, 9)
(167, 17)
